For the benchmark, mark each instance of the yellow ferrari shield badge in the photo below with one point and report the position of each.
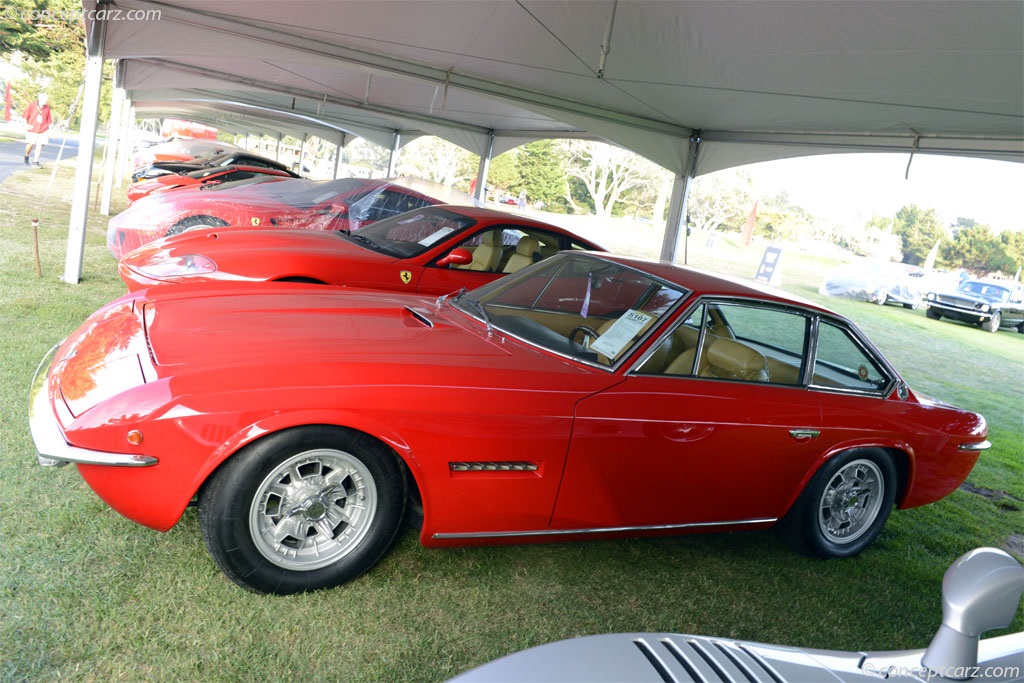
(406, 276)
(255, 221)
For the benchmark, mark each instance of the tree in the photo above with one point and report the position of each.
(432, 158)
(719, 200)
(1013, 245)
(978, 250)
(604, 171)
(41, 28)
(541, 173)
(919, 230)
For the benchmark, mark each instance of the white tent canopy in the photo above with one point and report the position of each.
(750, 80)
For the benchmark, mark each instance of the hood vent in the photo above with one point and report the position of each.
(700, 660)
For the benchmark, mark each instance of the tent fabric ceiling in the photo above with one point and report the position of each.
(757, 80)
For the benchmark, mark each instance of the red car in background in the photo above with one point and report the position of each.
(206, 176)
(432, 250)
(270, 203)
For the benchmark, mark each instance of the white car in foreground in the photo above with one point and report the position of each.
(981, 591)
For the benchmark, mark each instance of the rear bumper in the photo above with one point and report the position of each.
(52, 448)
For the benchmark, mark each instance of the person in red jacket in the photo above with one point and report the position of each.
(38, 118)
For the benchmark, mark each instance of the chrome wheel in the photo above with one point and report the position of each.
(851, 501)
(313, 509)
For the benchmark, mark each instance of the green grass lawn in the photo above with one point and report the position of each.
(86, 595)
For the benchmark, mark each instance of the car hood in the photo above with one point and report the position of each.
(240, 251)
(293, 333)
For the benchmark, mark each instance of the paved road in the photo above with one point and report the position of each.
(12, 154)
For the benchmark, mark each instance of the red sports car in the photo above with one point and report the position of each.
(269, 202)
(584, 396)
(214, 175)
(433, 250)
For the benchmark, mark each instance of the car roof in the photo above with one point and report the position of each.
(706, 283)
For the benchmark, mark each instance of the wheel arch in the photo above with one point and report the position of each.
(263, 429)
(900, 456)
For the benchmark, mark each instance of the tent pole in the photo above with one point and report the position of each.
(677, 221)
(337, 154)
(86, 150)
(482, 170)
(396, 145)
(113, 142)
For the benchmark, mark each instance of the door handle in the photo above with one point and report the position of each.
(804, 434)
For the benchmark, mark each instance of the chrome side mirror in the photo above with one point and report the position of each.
(981, 591)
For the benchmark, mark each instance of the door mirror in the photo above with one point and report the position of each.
(459, 256)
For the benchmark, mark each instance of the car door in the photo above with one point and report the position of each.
(680, 442)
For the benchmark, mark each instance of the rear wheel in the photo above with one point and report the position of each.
(194, 223)
(307, 508)
(844, 507)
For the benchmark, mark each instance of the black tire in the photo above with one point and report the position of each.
(992, 324)
(862, 485)
(278, 516)
(194, 223)
(932, 313)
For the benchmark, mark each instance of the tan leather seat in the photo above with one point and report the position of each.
(527, 252)
(727, 359)
(724, 359)
(487, 256)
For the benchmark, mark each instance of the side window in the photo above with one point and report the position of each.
(739, 342)
(841, 363)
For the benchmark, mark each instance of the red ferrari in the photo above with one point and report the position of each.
(433, 250)
(584, 396)
(270, 202)
(206, 176)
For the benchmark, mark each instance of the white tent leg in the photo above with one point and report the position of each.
(113, 143)
(396, 145)
(482, 170)
(124, 148)
(677, 222)
(337, 154)
(86, 151)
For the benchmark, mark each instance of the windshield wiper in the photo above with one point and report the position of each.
(479, 307)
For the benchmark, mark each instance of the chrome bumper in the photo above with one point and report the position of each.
(51, 447)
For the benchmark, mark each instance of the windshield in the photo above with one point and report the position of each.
(577, 305)
(412, 233)
(986, 290)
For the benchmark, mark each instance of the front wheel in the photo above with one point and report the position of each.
(932, 314)
(992, 324)
(844, 507)
(307, 508)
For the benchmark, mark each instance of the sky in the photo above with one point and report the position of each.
(851, 188)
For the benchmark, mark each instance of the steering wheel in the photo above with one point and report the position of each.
(587, 332)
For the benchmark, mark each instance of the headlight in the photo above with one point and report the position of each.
(984, 308)
(931, 296)
(178, 266)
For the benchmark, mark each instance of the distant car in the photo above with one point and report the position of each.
(584, 396)
(432, 250)
(272, 203)
(990, 305)
(218, 157)
(178, 149)
(214, 175)
(875, 282)
(980, 592)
